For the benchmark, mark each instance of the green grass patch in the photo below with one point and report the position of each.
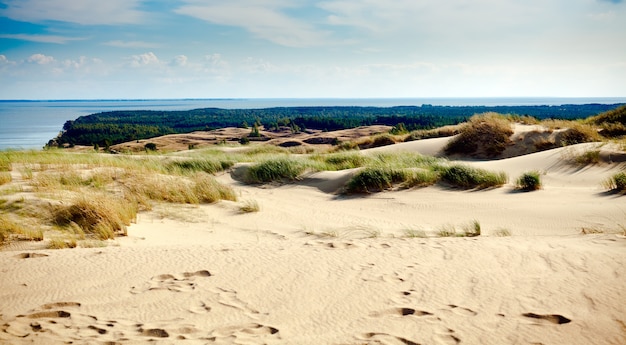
(466, 177)
(616, 183)
(207, 165)
(529, 181)
(341, 160)
(588, 157)
(375, 179)
(276, 169)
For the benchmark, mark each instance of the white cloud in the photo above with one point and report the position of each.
(131, 44)
(179, 60)
(41, 38)
(40, 59)
(144, 59)
(4, 60)
(85, 12)
(265, 19)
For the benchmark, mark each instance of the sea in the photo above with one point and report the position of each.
(30, 124)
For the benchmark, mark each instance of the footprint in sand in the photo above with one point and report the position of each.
(555, 319)
(200, 308)
(386, 339)
(177, 283)
(31, 255)
(245, 332)
(401, 312)
(461, 310)
(229, 298)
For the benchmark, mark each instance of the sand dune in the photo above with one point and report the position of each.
(316, 267)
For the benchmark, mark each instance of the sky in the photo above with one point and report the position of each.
(148, 49)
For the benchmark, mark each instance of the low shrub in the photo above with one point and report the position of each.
(276, 169)
(101, 216)
(588, 157)
(346, 146)
(377, 141)
(374, 179)
(617, 182)
(483, 135)
(529, 181)
(445, 131)
(249, 206)
(208, 190)
(578, 133)
(467, 177)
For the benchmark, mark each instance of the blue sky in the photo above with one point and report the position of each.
(86, 49)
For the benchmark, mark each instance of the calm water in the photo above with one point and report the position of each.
(30, 124)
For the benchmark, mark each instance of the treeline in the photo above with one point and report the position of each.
(115, 127)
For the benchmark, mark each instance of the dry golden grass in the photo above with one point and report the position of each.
(484, 135)
(105, 192)
(5, 177)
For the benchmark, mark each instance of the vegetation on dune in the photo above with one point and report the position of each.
(79, 197)
(100, 216)
(341, 160)
(612, 122)
(529, 181)
(275, 169)
(483, 135)
(616, 183)
(109, 128)
(374, 180)
(466, 177)
(105, 192)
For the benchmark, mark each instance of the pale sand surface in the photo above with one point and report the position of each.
(315, 267)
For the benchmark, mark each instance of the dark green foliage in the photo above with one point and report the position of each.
(273, 170)
(398, 129)
(463, 176)
(150, 147)
(244, 141)
(529, 181)
(123, 126)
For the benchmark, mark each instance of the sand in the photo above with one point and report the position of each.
(316, 267)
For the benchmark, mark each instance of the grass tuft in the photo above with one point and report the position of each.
(276, 169)
(529, 181)
(588, 158)
(5, 177)
(207, 165)
(249, 206)
(466, 177)
(100, 216)
(483, 135)
(375, 179)
(472, 229)
(616, 183)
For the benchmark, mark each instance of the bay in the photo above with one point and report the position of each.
(30, 124)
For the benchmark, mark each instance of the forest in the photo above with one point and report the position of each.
(109, 128)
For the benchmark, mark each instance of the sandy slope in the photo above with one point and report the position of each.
(313, 267)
